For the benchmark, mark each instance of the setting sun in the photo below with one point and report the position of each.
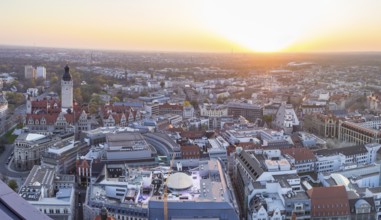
(195, 26)
(260, 26)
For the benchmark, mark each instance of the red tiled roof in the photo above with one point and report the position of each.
(337, 97)
(176, 130)
(83, 164)
(117, 109)
(299, 154)
(247, 146)
(50, 118)
(171, 106)
(190, 148)
(192, 134)
(329, 201)
(69, 118)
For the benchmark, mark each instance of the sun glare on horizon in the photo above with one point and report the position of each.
(262, 26)
(195, 26)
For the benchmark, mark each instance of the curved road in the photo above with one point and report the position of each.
(12, 122)
(4, 168)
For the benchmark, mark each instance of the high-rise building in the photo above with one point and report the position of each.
(30, 72)
(3, 111)
(66, 91)
(41, 72)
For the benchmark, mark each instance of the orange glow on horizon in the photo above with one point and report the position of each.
(196, 26)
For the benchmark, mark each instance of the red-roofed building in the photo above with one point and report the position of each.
(44, 106)
(41, 122)
(249, 146)
(193, 134)
(83, 170)
(167, 108)
(303, 159)
(190, 152)
(58, 121)
(118, 115)
(329, 202)
(54, 115)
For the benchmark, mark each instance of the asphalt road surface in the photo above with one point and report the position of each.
(4, 167)
(11, 123)
(79, 200)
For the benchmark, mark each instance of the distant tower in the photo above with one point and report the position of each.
(29, 105)
(41, 72)
(30, 72)
(66, 91)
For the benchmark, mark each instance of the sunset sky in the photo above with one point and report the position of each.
(194, 25)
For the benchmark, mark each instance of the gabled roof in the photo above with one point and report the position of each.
(50, 118)
(69, 118)
(251, 164)
(116, 108)
(358, 202)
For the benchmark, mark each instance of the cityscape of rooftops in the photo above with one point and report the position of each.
(179, 110)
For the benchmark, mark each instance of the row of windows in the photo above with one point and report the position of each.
(43, 121)
(191, 153)
(330, 206)
(330, 213)
(325, 167)
(54, 211)
(128, 218)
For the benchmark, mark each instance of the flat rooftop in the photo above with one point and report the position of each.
(205, 183)
(61, 147)
(127, 141)
(12, 206)
(40, 176)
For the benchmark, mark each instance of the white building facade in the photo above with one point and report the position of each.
(67, 91)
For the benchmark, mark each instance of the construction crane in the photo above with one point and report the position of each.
(166, 187)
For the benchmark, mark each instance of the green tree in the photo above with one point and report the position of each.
(221, 100)
(78, 95)
(15, 98)
(53, 79)
(115, 99)
(95, 103)
(39, 81)
(186, 103)
(268, 118)
(13, 185)
(194, 103)
(144, 93)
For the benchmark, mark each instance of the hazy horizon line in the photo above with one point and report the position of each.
(188, 51)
